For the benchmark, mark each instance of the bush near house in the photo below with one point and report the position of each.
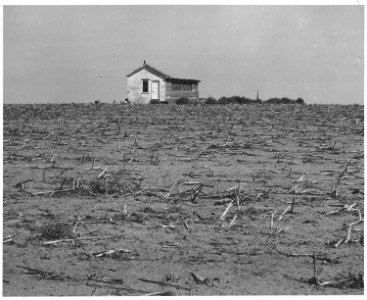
(182, 100)
(155, 101)
(211, 100)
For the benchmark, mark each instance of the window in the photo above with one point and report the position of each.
(145, 85)
(181, 87)
(176, 86)
(186, 87)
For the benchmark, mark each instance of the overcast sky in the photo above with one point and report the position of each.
(83, 53)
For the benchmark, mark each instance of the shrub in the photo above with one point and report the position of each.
(285, 100)
(224, 100)
(300, 101)
(237, 99)
(244, 100)
(182, 100)
(52, 229)
(156, 101)
(211, 100)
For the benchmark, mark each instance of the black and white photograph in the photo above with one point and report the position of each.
(183, 150)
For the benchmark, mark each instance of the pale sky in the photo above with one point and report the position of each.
(83, 53)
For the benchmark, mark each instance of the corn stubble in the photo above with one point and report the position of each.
(226, 199)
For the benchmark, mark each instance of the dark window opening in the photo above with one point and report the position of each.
(181, 87)
(176, 86)
(145, 86)
(186, 87)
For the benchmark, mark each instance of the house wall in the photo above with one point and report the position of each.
(135, 87)
(174, 95)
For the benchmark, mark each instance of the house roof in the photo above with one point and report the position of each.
(151, 70)
(159, 73)
(182, 80)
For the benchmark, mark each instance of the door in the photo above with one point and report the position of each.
(155, 90)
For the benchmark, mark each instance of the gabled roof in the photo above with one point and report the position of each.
(159, 73)
(151, 70)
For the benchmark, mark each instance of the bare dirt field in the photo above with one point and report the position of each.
(182, 200)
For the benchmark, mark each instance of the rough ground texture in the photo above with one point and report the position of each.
(182, 200)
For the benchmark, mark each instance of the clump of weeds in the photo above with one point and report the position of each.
(52, 228)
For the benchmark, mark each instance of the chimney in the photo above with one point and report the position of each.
(144, 62)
